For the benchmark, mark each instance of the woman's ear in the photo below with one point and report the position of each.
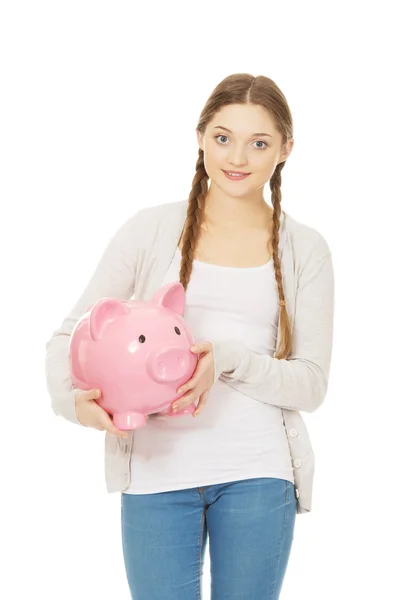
(286, 150)
(200, 140)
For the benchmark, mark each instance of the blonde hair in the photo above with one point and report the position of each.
(241, 88)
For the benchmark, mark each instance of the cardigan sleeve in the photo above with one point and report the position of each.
(299, 382)
(113, 276)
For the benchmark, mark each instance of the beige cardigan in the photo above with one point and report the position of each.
(134, 263)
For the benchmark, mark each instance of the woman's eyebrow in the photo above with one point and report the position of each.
(226, 129)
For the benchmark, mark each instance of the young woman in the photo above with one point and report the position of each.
(259, 302)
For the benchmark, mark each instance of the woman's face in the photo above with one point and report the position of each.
(241, 150)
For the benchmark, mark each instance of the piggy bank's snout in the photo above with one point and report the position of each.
(170, 364)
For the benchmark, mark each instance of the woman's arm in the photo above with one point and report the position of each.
(300, 382)
(114, 276)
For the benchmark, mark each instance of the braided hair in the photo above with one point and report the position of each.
(241, 88)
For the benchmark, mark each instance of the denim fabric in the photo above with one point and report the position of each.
(249, 525)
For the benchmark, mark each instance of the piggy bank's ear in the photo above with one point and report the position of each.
(104, 310)
(172, 296)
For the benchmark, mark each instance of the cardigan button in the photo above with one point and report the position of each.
(297, 463)
(293, 433)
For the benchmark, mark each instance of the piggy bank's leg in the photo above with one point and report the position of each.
(129, 420)
(186, 410)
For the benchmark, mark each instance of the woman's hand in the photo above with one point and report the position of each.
(201, 381)
(91, 414)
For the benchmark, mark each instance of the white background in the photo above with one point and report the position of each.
(99, 104)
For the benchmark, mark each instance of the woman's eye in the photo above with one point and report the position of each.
(177, 331)
(257, 142)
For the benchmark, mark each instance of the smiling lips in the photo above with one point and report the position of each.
(236, 175)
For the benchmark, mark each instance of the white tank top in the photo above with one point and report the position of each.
(234, 437)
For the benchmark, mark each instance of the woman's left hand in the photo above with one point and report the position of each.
(201, 381)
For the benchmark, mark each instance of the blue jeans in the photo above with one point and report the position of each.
(249, 525)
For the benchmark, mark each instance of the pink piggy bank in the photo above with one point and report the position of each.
(137, 353)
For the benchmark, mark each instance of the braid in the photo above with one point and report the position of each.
(193, 219)
(276, 196)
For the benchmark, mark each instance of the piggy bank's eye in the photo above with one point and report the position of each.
(177, 331)
(142, 339)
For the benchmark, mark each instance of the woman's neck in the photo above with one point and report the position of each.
(237, 214)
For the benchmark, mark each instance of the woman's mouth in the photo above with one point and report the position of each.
(235, 176)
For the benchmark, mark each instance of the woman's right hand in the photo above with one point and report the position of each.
(90, 414)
